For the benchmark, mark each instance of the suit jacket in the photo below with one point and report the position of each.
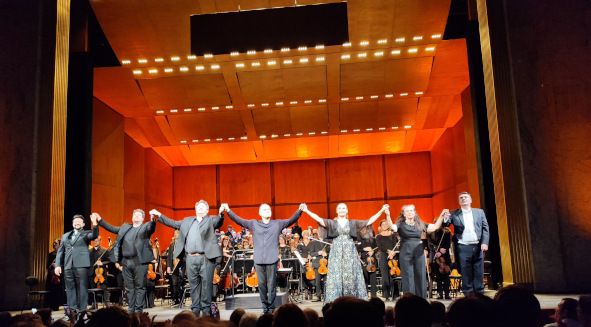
(79, 246)
(480, 224)
(211, 248)
(142, 242)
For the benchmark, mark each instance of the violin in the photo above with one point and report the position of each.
(323, 269)
(371, 262)
(216, 277)
(98, 276)
(151, 273)
(443, 267)
(310, 274)
(252, 280)
(394, 269)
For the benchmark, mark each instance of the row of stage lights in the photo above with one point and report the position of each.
(285, 50)
(286, 61)
(299, 134)
(279, 104)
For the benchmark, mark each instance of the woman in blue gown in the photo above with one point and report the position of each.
(345, 274)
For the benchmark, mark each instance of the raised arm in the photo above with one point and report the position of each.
(105, 225)
(95, 233)
(218, 220)
(393, 226)
(165, 220)
(237, 219)
(433, 227)
(151, 227)
(375, 217)
(314, 216)
(295, 217)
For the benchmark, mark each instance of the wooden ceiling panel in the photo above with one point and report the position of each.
(408, 75)
(420, 18)
(399, 112)
(437, 110)
(309, 119)
(358, 115)
(380, 77)
(449, 75)
(146, 28)
(116, 87)
(371, 143)
(305, 83)
(261, 86)
(297, 148)
(370, 20)
(390, 113)
(207, 125)
(185, 91)
(272, 121)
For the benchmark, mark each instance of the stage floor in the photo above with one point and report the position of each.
(164, 311)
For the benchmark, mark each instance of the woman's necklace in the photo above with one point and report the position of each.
(410, 222)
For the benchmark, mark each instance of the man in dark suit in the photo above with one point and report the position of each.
(133, 251)
(198, 242)
(73, 260)
(471, 237)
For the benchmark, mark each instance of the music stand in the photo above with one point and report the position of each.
(244, 264)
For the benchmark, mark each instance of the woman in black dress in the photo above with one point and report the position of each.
(412, 230)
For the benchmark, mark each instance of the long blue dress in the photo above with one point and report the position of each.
(345, 274)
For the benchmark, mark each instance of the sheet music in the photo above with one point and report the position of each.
(299, 256)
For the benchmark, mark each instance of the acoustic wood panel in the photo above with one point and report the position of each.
(355, 178)
(247, 184)
(300, 181)
(408, 174)
(158, 180)
(194, 183)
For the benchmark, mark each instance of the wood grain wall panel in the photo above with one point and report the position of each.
(442, 163)
(158, 180)
(133, 174)
(107, 146)
(248, 184)
(108, 202)
(424, 208)
(300, 181)
(408, 174)
(192, 184)
(355, 178)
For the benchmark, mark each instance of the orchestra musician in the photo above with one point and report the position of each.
(366, 247)
(173, 271)
(439, 244)
(313, 251)
(386, 242)
(53, 284)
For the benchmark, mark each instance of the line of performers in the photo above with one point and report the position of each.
(343, 250)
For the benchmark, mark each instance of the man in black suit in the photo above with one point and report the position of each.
(73, 260)
(197, 240)
(471, 236)
(133, 251)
